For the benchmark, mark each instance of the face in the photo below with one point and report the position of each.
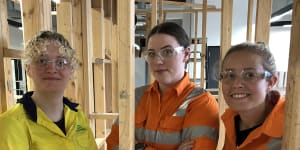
(245, 88)
(51, 71)
(167, 68)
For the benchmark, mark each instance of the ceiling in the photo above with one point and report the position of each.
(281, 14)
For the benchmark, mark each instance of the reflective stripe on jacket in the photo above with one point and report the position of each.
(182, 113)
(266, 137)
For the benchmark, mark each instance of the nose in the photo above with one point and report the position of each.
(158, 59)
(51, 67)
(238, 82)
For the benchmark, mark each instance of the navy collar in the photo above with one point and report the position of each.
(30, 106)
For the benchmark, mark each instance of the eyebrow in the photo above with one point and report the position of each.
(167, 46)
(245, 69)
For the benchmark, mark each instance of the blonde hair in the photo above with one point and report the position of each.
(37, 46)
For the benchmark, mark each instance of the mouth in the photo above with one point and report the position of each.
(239, 95)
(51, 78)
(160, 70)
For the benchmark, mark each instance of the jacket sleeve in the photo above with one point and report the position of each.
(13, 135)
(112, 140)
(201, 123)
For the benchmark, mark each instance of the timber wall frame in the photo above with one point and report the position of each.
(102, 32)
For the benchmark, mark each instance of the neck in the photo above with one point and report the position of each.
(164, 87)
(253, 118)
(50, 103)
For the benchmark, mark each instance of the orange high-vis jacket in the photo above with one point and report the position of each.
(266, 137)
(182, 113)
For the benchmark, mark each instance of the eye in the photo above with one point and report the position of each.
(227, 76)
(249, 75)
(167, 52)
(150, 54)
(231, 76)
(42, 61)
(61, 62)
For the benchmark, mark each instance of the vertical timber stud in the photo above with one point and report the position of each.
(87, 54)
(249, 20)
(64, 27)
(3, 44)
(196, 13)
(161, 14)
(262, 26)
(204, 41)
(148, 29)
(126, 74)
(291, 135)
(36, 16)
(113, 67)
(98, 67)
(77, 35)
(226, 29)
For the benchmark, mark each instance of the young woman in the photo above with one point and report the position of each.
(171, 110)
(255, 117)
(44, 118)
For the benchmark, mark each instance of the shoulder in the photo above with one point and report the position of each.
(15, 113)
(13, 120)
(202, 97)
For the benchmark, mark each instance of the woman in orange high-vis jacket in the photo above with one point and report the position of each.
(255, 117)
(171, 113)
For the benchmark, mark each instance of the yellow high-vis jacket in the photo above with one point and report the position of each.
(26, 127)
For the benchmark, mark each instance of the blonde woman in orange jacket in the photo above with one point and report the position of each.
(255, 117)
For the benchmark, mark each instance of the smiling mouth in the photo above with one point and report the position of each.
(239, 95)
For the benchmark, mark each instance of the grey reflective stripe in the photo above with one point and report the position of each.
(116, 147)
(274, 144)
(175, 138)
(203, 131)
(182, 108)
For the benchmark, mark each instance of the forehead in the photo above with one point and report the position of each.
(158, 41)
(243, 59)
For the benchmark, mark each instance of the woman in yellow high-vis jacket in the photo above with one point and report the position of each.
(44, 119)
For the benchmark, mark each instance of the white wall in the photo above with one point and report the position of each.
(280, 45)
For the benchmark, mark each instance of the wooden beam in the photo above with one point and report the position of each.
(180, 4)
(99, 68)
(103, 116)
(153, 23)
(160, 11)
(262, 26)
(153, 14)
(203, 50)
(36, 16)
(175, 11)
(292, 114)
(249, 20)
(195, 47)
(3, 45)
(78, 36)
(126, 74)
(226, 31)
(13, 53)
(87, 55)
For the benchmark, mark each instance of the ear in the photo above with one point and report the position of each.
(273, 80)
(28, 70)
(187, 53)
